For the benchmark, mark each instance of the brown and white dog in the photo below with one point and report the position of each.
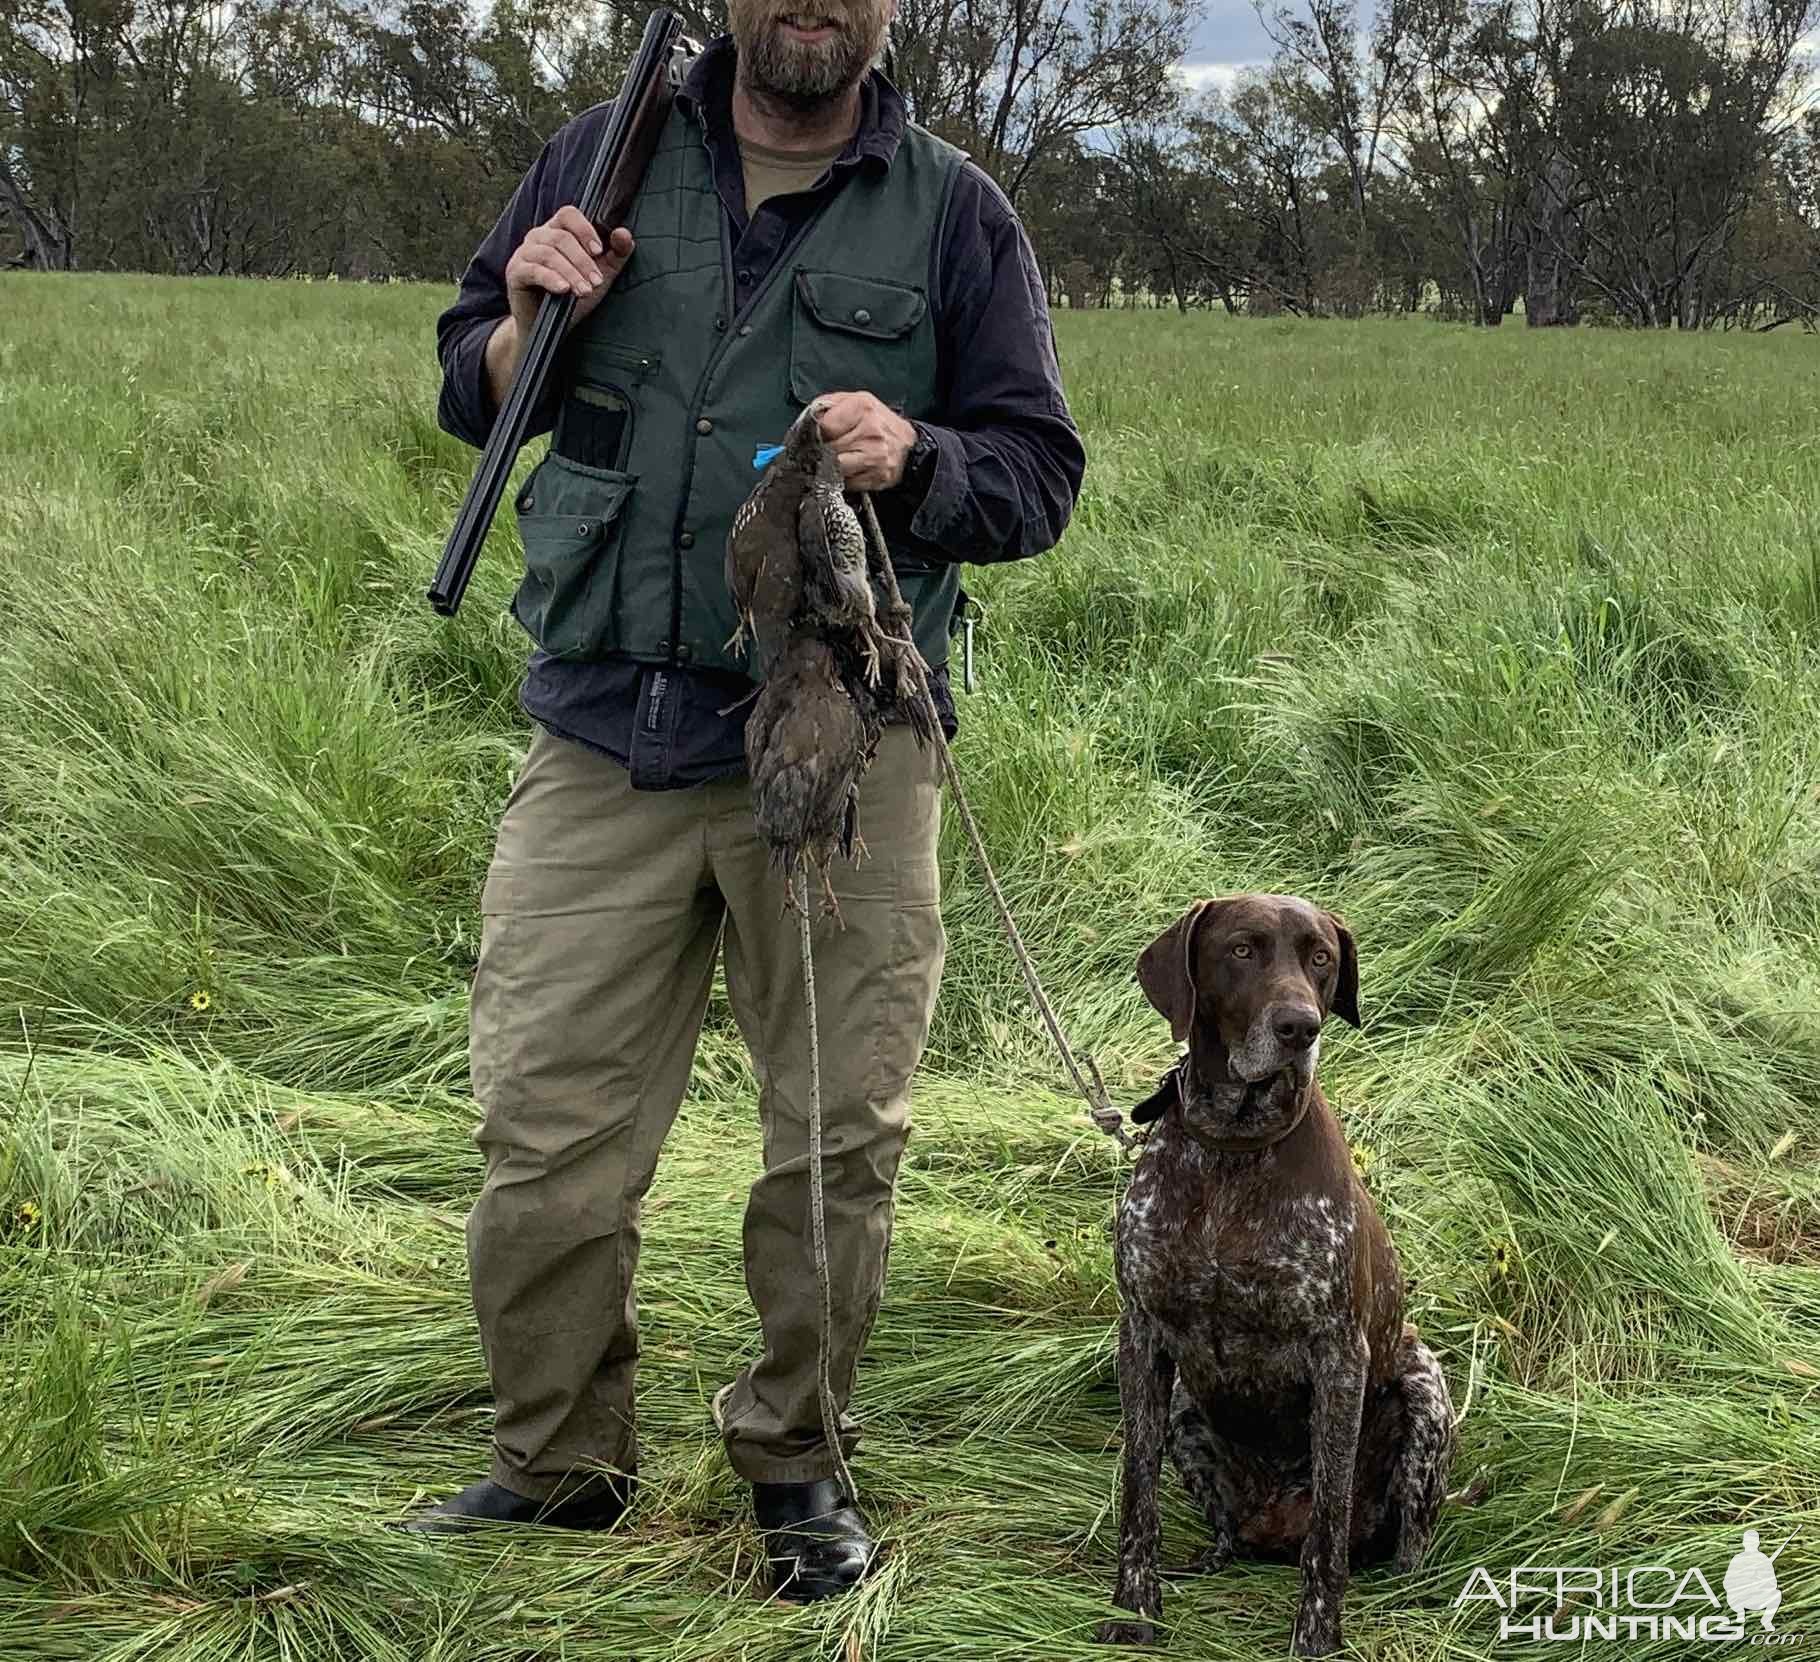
(1263, 1341)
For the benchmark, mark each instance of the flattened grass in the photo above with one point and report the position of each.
(1503, 645)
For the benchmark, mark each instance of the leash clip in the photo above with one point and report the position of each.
(971, 613)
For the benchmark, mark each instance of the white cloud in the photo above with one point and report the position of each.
(1198, 77)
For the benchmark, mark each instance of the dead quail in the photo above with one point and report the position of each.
(764, 566)
(837, 586)
(808, 742)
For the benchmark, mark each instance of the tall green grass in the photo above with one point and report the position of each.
(1505, 645)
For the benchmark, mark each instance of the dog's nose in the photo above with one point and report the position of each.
(1296, 1025)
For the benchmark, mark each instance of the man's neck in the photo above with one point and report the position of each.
(761, 119)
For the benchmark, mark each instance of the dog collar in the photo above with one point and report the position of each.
(1174, 1084)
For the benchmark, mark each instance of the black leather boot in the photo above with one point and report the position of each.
(488, 1502)
(815, 1539)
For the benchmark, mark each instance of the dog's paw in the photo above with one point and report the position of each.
(1315, 1635)
(1133, 1630)
(1210, 1560)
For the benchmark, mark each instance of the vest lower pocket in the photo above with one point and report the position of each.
(571, 519)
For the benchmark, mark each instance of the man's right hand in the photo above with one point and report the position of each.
(563, 256)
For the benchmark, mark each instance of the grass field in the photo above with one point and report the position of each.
(1505, 645)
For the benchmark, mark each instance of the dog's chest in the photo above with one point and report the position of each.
(1241, 1269)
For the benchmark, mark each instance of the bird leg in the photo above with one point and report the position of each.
(831, 906)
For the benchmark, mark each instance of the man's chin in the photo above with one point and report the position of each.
(801, 68)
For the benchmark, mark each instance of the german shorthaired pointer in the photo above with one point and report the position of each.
(1263, 1341)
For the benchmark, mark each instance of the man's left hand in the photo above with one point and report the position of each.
(870, 439)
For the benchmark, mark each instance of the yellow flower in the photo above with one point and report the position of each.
(1503, 1258)
(1364, 1157)
(200, 1001)
(29, 1213)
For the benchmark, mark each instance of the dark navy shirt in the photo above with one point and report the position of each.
(1007, 464)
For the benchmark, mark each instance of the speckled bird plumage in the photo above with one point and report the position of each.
(764, 562)
(837, 587)
(808, 744)
(801, 575)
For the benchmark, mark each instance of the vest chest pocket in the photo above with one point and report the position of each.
(571, 519)
(858, 334)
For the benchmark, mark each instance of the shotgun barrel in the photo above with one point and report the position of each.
(613, 177)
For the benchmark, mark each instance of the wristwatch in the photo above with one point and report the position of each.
(919, 465)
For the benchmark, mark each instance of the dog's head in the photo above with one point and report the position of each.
(1247, 981)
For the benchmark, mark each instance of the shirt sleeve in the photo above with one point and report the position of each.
(465, 406)
(1008, 460)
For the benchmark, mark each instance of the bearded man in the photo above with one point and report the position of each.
(794, 237)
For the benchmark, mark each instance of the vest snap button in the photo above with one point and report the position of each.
(687, 539)
(581, 530)
(704, 426)
(862, 317)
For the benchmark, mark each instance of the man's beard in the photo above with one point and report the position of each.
(803, 74)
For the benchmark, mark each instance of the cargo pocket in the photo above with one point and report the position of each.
(854, 334)
(571, 519)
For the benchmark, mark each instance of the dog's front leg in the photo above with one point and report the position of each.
(1339, 1402)
(1146, 1372)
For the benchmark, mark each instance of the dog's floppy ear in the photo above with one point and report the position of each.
(1346, 989)
(1163, 970)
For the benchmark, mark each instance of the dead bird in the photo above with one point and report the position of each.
(764, 561)
(809, 742)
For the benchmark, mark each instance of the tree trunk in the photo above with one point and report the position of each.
(47, 244)
(1548, 296)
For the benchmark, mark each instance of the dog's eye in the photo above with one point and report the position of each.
(1322, 958)
(1241, 950)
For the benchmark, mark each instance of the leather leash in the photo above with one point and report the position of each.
(1089, 1083)
(818, 1220)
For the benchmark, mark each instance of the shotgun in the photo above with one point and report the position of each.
(613, 177)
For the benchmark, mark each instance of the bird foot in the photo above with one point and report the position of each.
(874, 665)
(830, 905)
(736, 643)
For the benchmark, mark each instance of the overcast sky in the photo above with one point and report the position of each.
(1229, 35)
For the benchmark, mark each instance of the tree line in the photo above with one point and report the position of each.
(1648, 162)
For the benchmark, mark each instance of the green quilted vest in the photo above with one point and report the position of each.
(669, 386)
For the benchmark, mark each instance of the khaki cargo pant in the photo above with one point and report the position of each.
(603, 911)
